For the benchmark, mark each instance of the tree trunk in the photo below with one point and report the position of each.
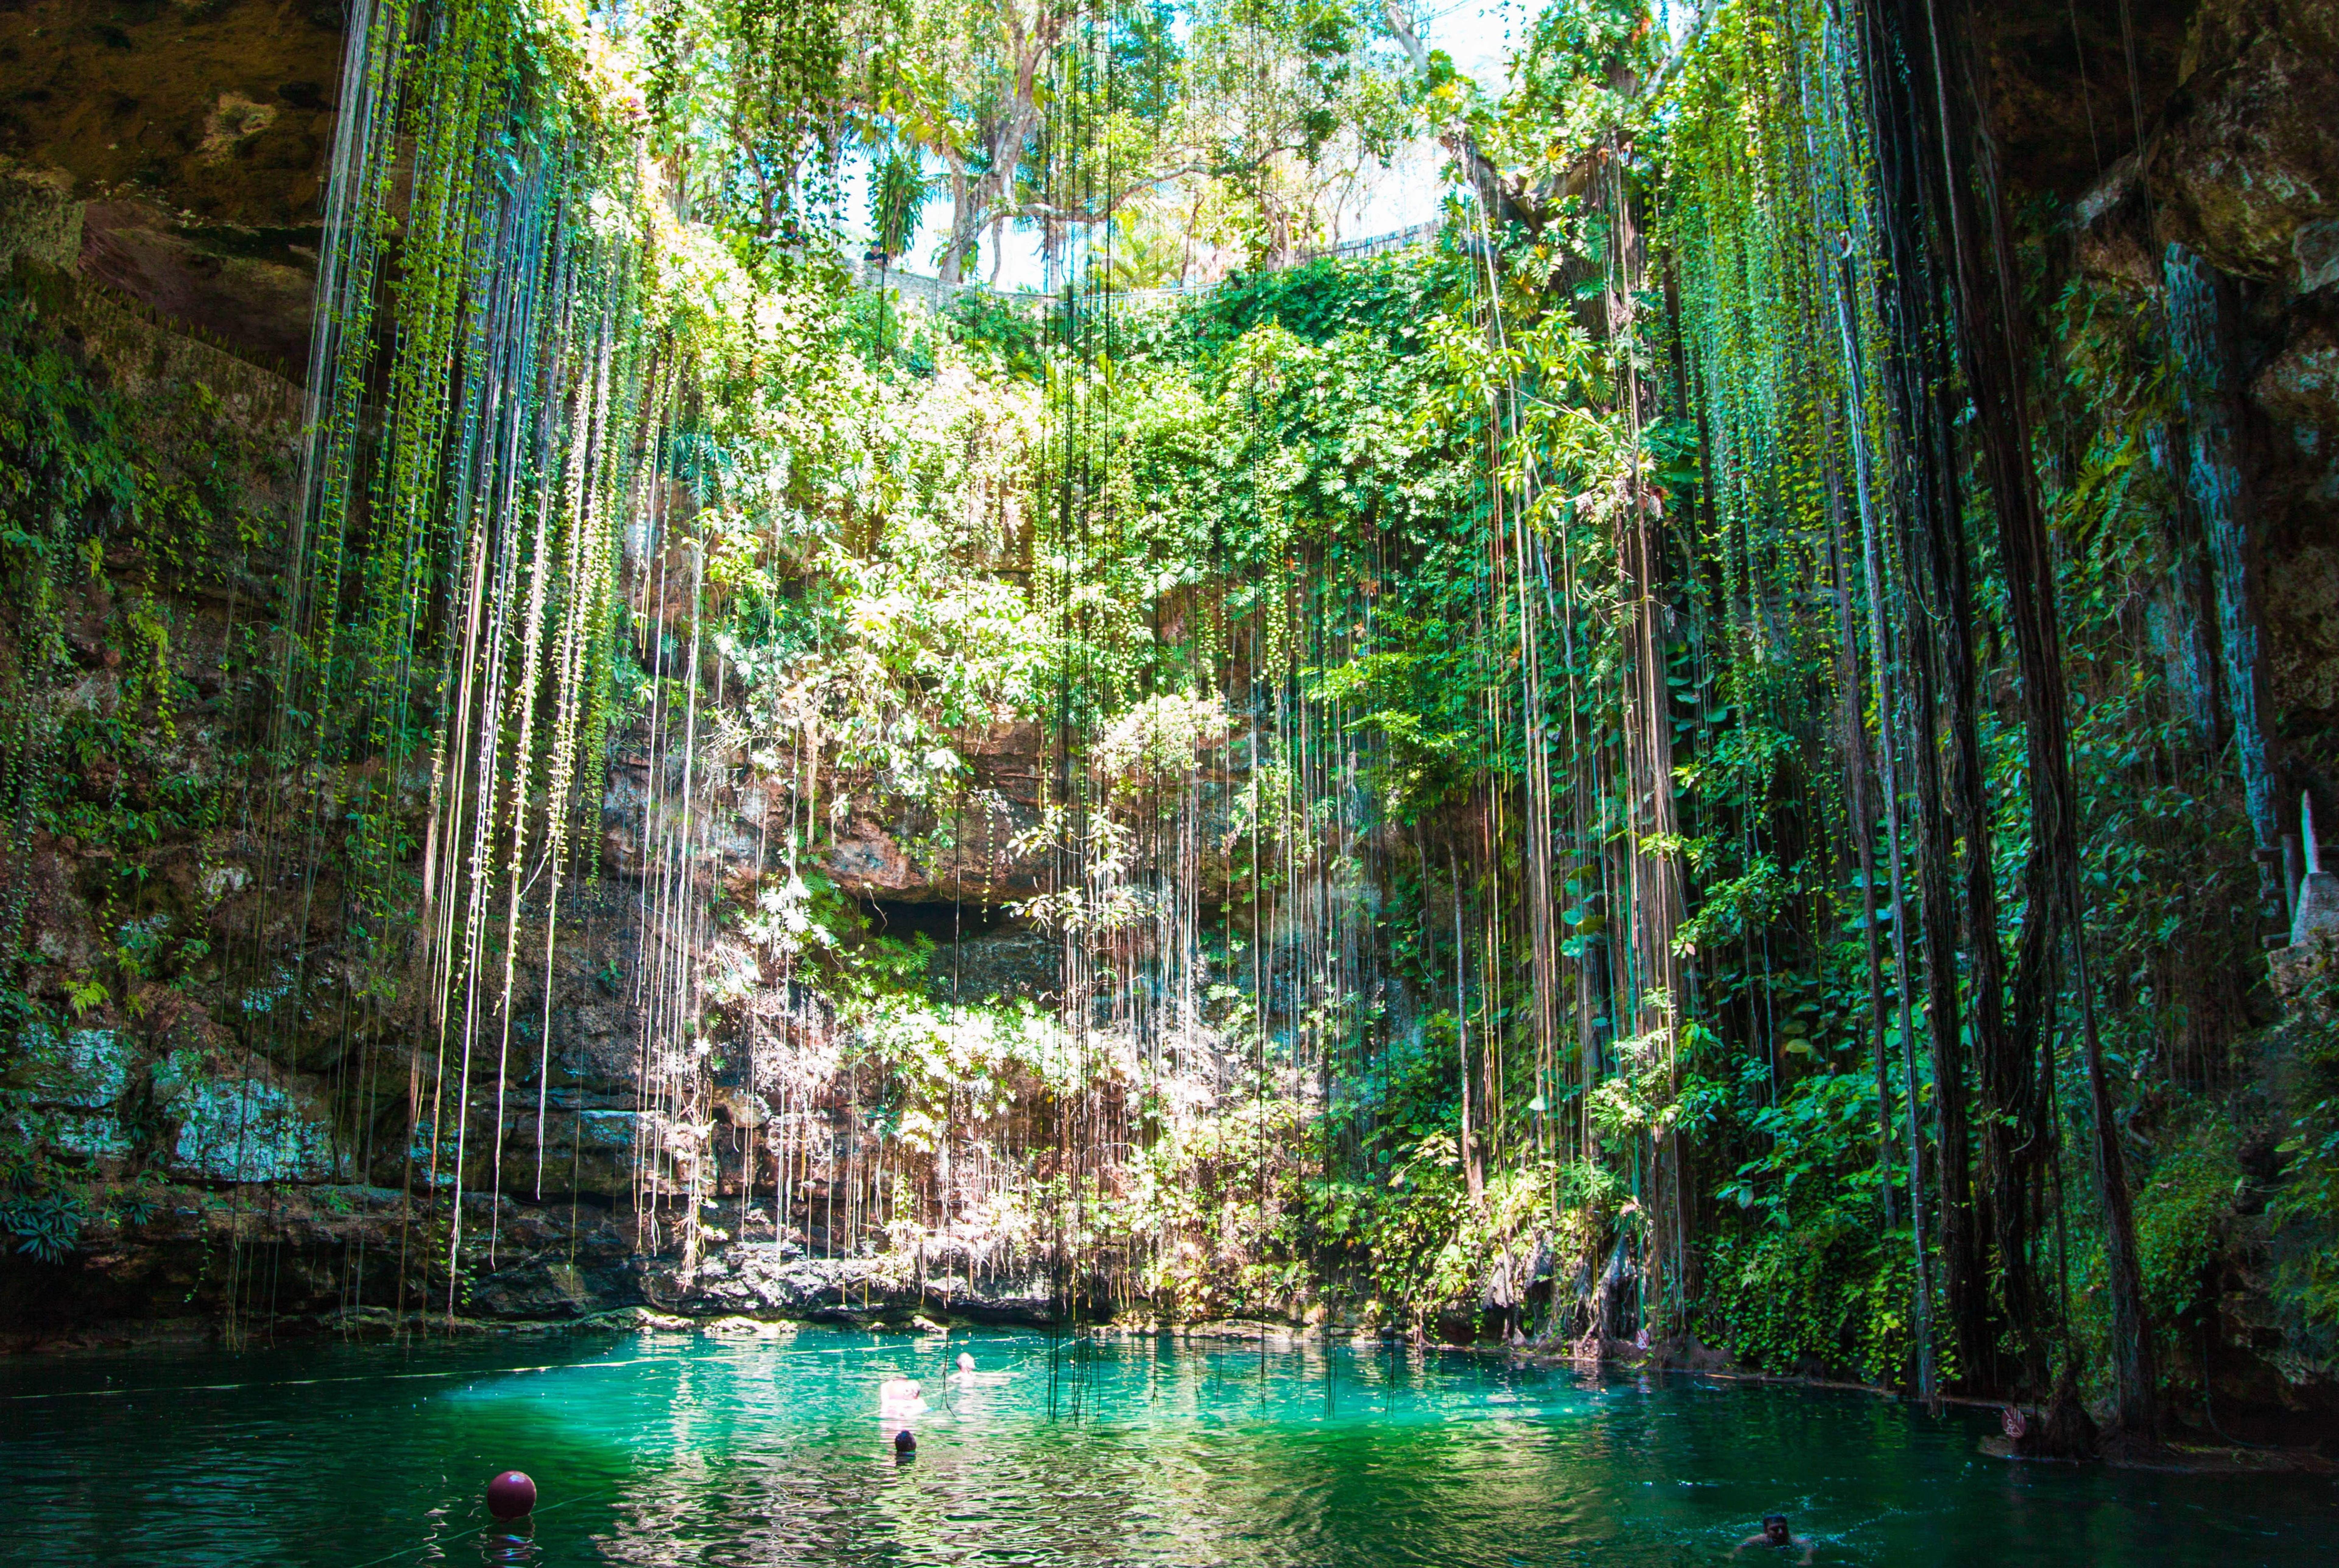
(966, 223)
(1991, 339)
(2012, 1121)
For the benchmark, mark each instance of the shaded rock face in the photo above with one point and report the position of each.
(2239, 164)
(293, 1257)
(222, 109)
(197, 1114)
(2297, 480)
(251, 289)
(325, 1256)
(1006, 961)
(2232, 100)
(906, 855)
(195, 140)
(775, 1279)
(2248, 171)
(953, 879)
(2063, 107)
(2297, 387)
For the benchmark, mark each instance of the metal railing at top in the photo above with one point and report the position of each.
(934, 295)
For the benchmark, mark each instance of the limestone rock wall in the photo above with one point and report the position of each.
(2238, 161)
(197, 134)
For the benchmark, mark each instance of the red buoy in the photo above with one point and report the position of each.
(511, 1495)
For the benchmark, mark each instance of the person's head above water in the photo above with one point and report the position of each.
(965, 1362)
(1775, 1536)
(905, 1441)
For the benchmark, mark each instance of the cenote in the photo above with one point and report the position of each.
(1498, 780)
(666, 1448)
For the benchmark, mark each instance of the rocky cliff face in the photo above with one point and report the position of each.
(196, 135)
(2208, 127)
(2249, 165)
(2238, 161)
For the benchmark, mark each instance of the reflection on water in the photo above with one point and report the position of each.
(666, 1449)
(509, 1543)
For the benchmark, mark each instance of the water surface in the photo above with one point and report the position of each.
(660, 1449)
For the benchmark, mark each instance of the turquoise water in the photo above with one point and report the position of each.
(699, 1449)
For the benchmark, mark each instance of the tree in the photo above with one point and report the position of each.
(974, 74)
(1284, 102)
(747, 100)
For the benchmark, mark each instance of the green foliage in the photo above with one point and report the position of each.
(1819, 1154)
(2186, 1219)
(1832, 1294)
(118, 510)
(2184, 1210)
(884, 332)
(43, 1220)
(744, 97)
(1001, 336)
(2306, 1207)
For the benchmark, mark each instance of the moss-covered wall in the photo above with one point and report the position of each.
(2240, 164)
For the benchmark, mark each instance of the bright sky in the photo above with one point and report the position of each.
(1479, 34)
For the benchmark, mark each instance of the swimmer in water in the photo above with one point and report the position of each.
(965, 1362)
(898, 1396)
(1775, 1533)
